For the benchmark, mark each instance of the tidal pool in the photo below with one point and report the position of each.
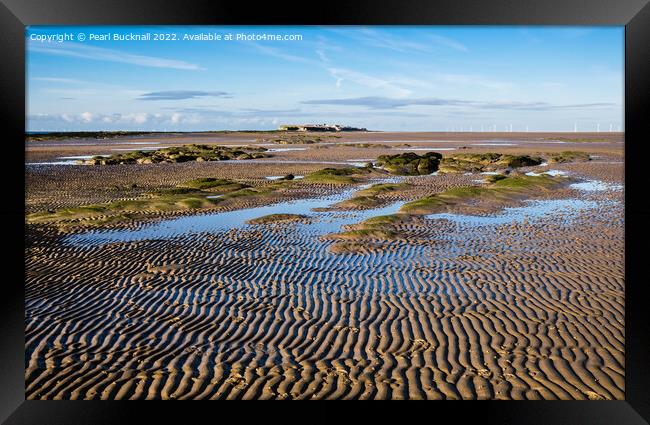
(596, 186)
(147, 148)
(325, 221)
(81, 156)
(534, 209)
(281, 177)
(67, 162)
(556, 173)
(495, 144)
(431, 149)
(286, 149)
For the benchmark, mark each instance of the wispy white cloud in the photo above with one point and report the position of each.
(473, 80)
(60, 80)
(448, 42)
(86, 51)
(378, 39)
(182, 94)
(426, 43)
(380, 84)
(282, 54)
(378, 102)
(394, 86)
(322, 55)
(85, 118)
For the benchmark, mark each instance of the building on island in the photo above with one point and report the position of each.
(318, 127)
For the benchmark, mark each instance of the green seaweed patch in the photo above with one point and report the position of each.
(277, 218)
(297, 139)
(368, 198)
(365, 145)
(350, 247)
(185, 153)
(433, 203)
(500, 189)
(366, 233)
(569, 156)
(372, 233)
(247, 192)
(478, 162)
(528, 182)
(409, 163)
(425, 205)
(164, 200)
(359, 202)
(380, 227)
(378, 189)
(174, 191)
(258, 192)
(347, 175)
(381, 220)
(495, 178)
(125, 209)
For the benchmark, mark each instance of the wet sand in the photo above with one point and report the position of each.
(525, 303)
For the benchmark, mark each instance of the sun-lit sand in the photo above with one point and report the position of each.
(517, 299)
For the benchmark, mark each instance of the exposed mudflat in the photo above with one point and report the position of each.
(522, 301)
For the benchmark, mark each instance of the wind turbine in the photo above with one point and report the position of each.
(575, 127)
(598, 128)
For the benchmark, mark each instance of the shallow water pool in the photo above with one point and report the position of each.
(596, 186)
(326, 222)
(534, 209)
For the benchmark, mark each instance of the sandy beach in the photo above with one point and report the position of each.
(517, 299)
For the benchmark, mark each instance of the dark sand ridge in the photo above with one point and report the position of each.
(525, 313)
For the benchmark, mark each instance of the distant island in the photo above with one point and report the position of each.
(318, 127)
(63, 135)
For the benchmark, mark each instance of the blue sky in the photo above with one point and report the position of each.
(383, 78)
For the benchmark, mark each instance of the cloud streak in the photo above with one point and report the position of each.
(423, 43)
(182, 94)
(84, 51)
(341, 75)
(378, 102)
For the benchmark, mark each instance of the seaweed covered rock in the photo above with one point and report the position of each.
(346, 175)
(569, 156)
(183, 153)
(409, 163)
(478, 162)
(277, 218)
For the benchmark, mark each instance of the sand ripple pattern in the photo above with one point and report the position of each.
(529, 310)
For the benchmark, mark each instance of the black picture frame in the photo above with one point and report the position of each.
(633, 14)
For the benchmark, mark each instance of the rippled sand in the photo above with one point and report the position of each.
(528, 308)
